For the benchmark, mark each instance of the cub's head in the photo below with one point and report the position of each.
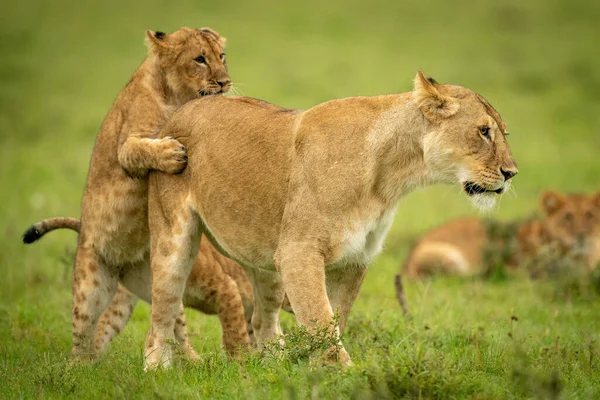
(191, 60)
(465, 140)
(573, 220)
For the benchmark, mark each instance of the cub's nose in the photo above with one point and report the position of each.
(224, 82)
(508, 173)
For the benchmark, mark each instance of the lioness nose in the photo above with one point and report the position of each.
(224, 82)
(508, 173)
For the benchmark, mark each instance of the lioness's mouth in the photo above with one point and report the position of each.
(472, 189)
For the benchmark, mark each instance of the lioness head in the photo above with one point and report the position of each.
(572, 219)
(466, 141)
(192, 61)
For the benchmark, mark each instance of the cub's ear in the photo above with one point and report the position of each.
(156, 40)
(434, 105)
(551, 202)
(220, 39)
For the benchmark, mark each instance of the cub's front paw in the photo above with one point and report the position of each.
(172, 156)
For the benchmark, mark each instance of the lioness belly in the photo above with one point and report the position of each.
(241, 194)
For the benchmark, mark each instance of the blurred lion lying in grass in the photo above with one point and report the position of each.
(569, 230)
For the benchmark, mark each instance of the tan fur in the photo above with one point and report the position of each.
(216, 285)
(114, 243)
(304, 199)
(571, 224)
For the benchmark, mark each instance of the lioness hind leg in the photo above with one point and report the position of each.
(94, 285)
(303, 272)
(343, 285)
(174, 246)
(114, 318)
(268, 296)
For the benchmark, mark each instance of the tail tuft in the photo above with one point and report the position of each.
(31, 235)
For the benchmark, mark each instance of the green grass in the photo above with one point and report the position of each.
(63, 63)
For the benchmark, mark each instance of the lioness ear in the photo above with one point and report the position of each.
(220, 39)
(434, 105)
(156, 40)
(551, 202)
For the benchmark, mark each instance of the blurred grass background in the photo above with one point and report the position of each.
(64, 62)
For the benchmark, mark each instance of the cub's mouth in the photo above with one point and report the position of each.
(209, 92)
(472, 189)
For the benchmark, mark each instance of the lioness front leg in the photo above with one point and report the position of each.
(140, 155)
(303, 273)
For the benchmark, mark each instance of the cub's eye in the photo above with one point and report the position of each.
(589, 215)
(568, 217)
(200, 60)
(484, 131)
(222, 56)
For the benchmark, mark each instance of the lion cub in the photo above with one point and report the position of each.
(216, 285)
(114, 241)
(571, 225)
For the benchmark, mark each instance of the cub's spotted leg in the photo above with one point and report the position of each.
(268, 296)
(181, 335)
(138, 155)
(302, 269)
(94, 285)
(230, 310)
(114, 318)
(343, 285)
(175, 234)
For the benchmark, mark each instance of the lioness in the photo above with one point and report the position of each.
(216, 285)
(304, 199)
(571, 223)
(114, 243)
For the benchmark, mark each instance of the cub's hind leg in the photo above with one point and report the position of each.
(212, 290)
(230, 310)
(114, 318)
(268, 296)
(343, 285)
(181, 335)
(94, 285)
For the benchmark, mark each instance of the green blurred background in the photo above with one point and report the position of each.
(62, 64)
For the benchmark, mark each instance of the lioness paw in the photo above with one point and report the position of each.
(172, 156)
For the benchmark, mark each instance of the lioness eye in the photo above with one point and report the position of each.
(222, 56)
(485, 131)
(589, 215)
(200, 60)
